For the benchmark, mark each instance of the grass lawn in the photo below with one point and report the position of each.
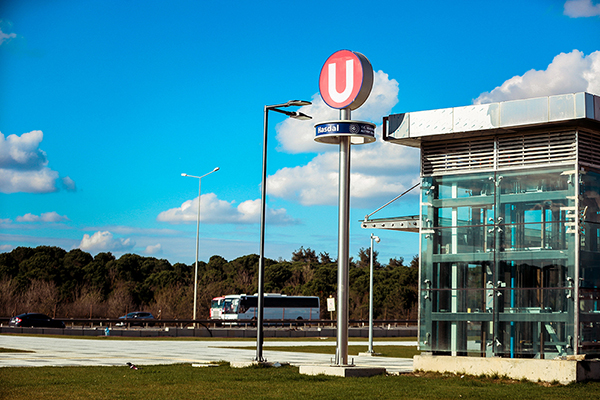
(5, 350)
(353, 350)
(222, 382)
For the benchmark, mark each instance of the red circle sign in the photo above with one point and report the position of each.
(346, 80)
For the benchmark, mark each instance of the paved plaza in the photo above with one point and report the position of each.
(45, 351)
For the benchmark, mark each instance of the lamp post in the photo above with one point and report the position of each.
(261, 259)
(197, 239)
(370, 351)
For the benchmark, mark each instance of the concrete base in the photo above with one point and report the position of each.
(563, 371)
(367, 354)
(343, 371)
(244, 364)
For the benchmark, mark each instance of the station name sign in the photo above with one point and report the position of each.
(329, 132)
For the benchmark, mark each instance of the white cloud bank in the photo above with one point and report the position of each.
(23, 166)
(104, 242)
(567, 73)
(154, 249)
(52, 216)
(296, 136)
(215, 211)
(379, 171)
(581, 8)
(5, 37)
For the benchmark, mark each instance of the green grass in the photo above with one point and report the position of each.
(185, 382)
(5, 350)
(384, 351)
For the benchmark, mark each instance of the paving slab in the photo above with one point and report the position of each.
(46, 351)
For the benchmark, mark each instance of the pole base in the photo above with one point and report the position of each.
(343, 371)
(369, 354)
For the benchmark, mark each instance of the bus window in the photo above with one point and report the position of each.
(230, 306)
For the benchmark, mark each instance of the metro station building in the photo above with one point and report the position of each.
(509, 226)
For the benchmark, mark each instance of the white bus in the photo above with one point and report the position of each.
(216, 307)
(276, 307)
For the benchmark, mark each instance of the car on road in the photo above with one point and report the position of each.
(136, 318)
(36, 320)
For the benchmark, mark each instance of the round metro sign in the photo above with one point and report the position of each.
(346, 80)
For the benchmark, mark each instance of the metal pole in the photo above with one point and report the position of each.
(343, 247)
(371, 300)
(197, 240)
(261, 259)
(197, 251)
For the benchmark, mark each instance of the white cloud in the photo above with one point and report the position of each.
(5, 221)
(6, 247)
(43, 181)
(379, 171)
(581, 8)
(215, 211)
(567, 73)
(104, 241)
(5, 37)
(22, 152)
(296, 136)
(68, 184)
(23, 166)
(52, 216)
(154, 249)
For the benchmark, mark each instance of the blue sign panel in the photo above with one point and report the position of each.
(361, 132)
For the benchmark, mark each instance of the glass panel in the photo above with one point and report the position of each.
(533, 181)
(545, 340)
(470, 291)
(475, 346)
(475, 239)
(461, 186)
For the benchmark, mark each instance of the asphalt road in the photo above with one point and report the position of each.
(45, 351)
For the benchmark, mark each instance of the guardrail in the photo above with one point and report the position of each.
(185, 328)
(207, 323)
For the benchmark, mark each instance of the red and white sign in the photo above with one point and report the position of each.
(346, 80)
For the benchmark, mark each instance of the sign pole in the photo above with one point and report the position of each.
(343, 246)
(345, 83)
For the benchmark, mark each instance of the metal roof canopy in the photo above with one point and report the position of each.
(410, 129)
(410, 223)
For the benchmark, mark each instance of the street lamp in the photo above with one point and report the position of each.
(263, 202)
(370, 351)
(197, 239)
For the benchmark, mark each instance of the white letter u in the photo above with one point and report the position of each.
(335, 95)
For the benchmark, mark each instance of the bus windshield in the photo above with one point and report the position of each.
(230, 306)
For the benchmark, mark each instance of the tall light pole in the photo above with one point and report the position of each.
(263, 202)
(197, 239)
(370, 351)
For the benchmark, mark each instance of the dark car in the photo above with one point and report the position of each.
(136, 318)
(35, 320)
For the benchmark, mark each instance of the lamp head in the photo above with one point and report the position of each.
(216, 169)
(184, 175)
(297, 103)
(375, 238)
(300, 116)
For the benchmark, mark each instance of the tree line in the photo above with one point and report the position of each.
(76, 284)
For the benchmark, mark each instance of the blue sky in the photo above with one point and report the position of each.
(103, 104)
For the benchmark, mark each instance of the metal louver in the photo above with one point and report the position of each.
(589, 149)
(536, 149)
(503, 152)
(457, 155)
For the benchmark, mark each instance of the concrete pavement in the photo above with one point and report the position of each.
(45, 351)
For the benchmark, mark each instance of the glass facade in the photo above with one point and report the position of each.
(589, 279)
(499, 262)
(509, 226)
